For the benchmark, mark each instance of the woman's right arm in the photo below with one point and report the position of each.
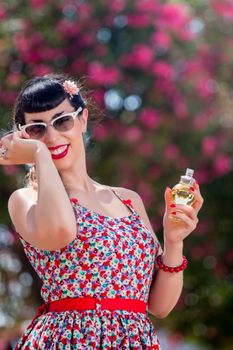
(46, 220)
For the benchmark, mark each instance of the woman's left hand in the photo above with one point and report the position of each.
(176, 232)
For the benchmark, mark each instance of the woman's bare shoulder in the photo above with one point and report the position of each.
(22, 194)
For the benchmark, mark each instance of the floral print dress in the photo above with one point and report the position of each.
(109, 258)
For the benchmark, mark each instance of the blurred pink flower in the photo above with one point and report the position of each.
(163, 70)
(141, 56)
(100, 132)
(31, 48)
(150, 118)
(7, 97)
(151, 6)
(78, 66)
(32, 57)
(180, 108)
(223, 7)
(203, 118)
(186, 35)
(184, 162)
(176, 17)
(98, 96)
(174, 13)
(204, 87)
(133, 134)
(139, 20)
(209, 145)
(49, 53)
(162, 40)
(191, 67)
(202, 175)
(222, 164)
(146, 192)
(145, 149)
(126, 183)
(87, 40)
(14, 79)
(101, 50)
(209, 58)
(2, 12)
(171, 152)
(116, 5)
(36, 39)
(10, 169)
(37, 4)
(167, 88)
(41, 69)
(155, 172)
(20, 42)
(68, 29)
(103, 75)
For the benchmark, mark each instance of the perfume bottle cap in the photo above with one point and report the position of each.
(189, 172)
(188, 177)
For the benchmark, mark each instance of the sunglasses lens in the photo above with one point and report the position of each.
(64, 123)
(36, 131)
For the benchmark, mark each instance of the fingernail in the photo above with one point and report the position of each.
(173, 213)
(172, 205)
(192, 189)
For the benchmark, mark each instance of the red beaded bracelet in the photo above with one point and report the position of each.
(166, 268)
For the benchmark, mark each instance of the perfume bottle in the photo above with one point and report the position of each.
(182, 193)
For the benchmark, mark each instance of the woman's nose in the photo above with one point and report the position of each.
(51, 133)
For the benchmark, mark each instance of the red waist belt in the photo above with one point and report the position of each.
(92, 304)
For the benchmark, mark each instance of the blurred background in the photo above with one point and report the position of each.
(162, 72)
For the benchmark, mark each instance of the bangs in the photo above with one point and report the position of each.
(41, 97)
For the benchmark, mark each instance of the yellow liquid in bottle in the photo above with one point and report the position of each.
(181, 194)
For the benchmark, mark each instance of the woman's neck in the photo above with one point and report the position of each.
(80, 182)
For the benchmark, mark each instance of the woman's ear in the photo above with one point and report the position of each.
(84, 120)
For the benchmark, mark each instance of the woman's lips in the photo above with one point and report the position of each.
(59, 152)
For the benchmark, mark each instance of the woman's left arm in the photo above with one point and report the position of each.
(166, 287)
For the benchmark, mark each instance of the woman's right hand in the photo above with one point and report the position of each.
(20, 149)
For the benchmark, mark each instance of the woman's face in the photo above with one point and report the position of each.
(64, 146)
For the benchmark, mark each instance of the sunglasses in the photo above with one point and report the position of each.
(62, 123)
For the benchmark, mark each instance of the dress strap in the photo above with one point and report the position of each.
(77, 209)
(127, 202)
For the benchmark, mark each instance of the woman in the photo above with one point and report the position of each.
(91, 244)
